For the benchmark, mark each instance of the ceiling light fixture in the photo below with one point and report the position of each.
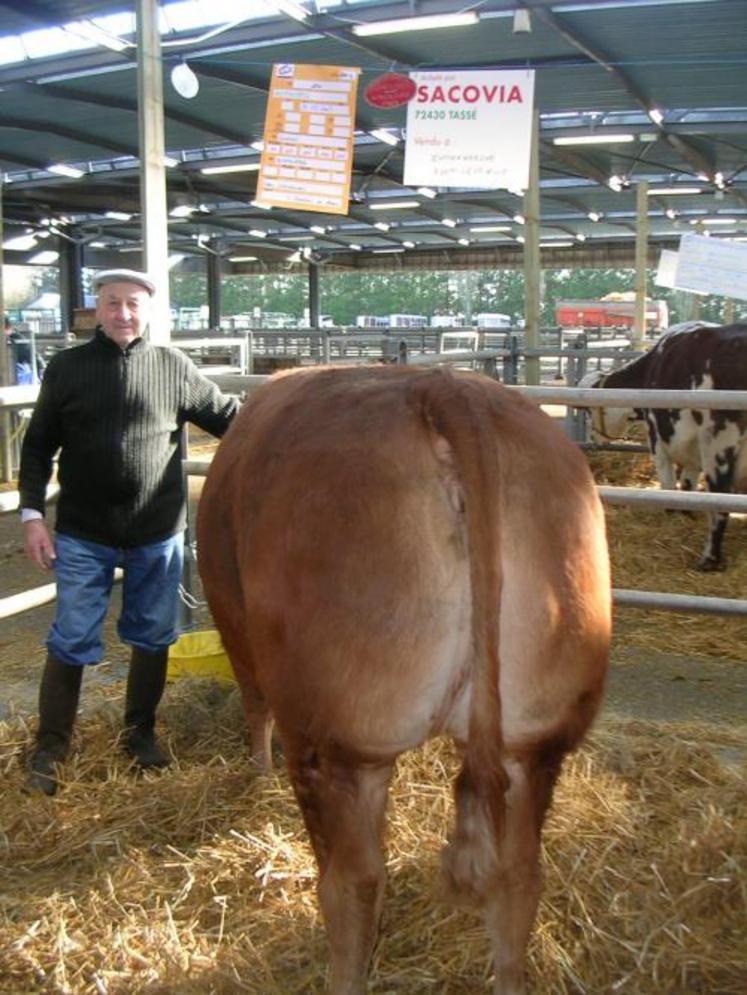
(397, 249)
(519, 219)
(257, 233)
(355, 247)
(62, 170)
(242, 259)
(409, 245)
(556, 244)
(182, 210)
(393, 205)
(463, 241)
(261, 205)
(594, 216)
(580, 237)
(45, 258)
(597, 139)
(484, 228)
(382, 225)
(616, 182)
(656, 115)
(384, 136)
(239, 167)
(714, 221)
(184, 81)
(449, 222)
(522, 21)
(427, 23)
(21, 243)
(319, 229)
(672, 191)
(427, 192)
(117, 215)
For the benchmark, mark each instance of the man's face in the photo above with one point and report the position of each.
(123, 311)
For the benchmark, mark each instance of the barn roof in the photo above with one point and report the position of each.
(671, 73)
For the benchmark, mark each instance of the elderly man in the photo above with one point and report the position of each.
(114, 408)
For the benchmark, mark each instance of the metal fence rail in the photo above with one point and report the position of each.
(572, 398)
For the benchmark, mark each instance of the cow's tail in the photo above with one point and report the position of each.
(462, 411)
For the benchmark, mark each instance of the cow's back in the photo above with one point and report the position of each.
(341, 520)
(708, 357)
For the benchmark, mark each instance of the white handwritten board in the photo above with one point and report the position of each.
(712, 266)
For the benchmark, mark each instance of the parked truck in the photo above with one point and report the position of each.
(616, 310)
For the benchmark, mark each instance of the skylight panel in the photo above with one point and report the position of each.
(122, 25)
(52, 41)
(11, 50)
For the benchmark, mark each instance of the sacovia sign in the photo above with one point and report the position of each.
(470, 129)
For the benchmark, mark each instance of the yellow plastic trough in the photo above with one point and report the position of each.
(199, 654)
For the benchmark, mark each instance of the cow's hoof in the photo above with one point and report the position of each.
(710, 565)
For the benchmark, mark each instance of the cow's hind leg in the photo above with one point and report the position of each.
(510, 886)
(511, 909)
(258, 717)
(343, 802)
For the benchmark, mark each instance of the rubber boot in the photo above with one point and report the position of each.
(145, 684)
(59, 692)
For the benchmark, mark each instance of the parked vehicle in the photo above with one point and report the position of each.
(616, 310)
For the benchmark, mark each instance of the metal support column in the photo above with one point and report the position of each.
(315, 309)
(532, 259)
(641, 258)
(71, 281)
(213, 290)
(153, 203)
(6, 448)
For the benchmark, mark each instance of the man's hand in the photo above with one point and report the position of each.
(38, 543)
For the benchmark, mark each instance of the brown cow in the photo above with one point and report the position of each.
(393, 554)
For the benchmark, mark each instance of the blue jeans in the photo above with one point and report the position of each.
(150, 596)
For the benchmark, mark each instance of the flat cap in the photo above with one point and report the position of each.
(123, 276)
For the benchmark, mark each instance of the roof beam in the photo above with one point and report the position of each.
(689, 152)
(75, 134)
(228, 74)
(125, 104)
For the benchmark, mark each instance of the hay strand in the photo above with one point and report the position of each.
(200, 879)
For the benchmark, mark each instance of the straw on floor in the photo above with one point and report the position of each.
(200, 879)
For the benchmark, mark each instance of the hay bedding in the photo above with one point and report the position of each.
(200, 880)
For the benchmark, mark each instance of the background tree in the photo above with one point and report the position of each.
(345, 294)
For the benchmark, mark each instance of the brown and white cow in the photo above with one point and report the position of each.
(686, 442)
(393, 554)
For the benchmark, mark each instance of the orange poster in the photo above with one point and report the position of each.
(308, 151)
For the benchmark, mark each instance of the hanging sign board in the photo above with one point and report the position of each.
(389, 90)
(666, 271)
(712, 266)
(470, 128)
(308, 141)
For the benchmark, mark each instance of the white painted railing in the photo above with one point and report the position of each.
(570, 397)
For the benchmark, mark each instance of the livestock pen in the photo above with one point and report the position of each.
(200, 879)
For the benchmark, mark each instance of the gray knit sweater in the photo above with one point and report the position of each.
(116, 416)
